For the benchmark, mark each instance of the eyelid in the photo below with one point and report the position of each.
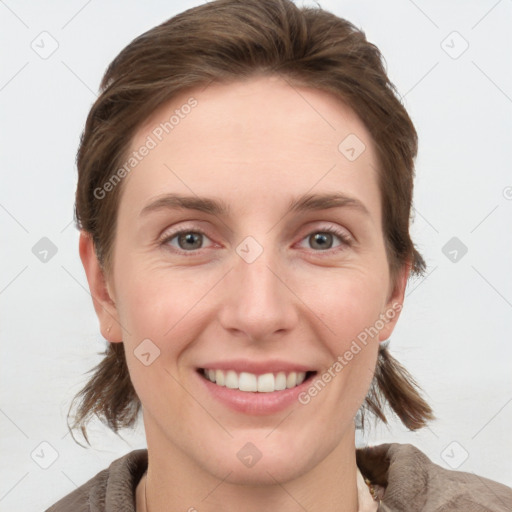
(169, 234)
(347, 240)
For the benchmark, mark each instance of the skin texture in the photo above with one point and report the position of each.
(256, 145)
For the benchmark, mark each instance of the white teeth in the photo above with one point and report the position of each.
(231, 380)
(291, 380)
(219, 377)
(266, 383)
(280, 383)
(245, 381)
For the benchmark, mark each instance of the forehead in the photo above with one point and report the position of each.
(259, 138)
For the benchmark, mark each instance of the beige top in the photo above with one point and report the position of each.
(404, 478)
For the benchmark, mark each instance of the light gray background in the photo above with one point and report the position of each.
(454, 333)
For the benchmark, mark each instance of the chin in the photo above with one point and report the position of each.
(262, 462)
(265, 472)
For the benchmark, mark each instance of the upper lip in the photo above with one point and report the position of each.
(257, 367)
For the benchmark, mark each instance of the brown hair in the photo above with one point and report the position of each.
(230, 40)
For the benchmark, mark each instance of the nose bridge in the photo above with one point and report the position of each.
(258, 302)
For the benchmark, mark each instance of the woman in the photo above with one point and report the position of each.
(270, 140)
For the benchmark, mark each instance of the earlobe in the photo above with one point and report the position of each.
(392, 309)
(104, 305)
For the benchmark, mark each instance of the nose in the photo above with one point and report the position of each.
(258, 304)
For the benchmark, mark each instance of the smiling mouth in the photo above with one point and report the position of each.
(250, 382)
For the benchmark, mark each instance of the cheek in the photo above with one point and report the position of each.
(162, 323)
(162, 306)
(349, 306)
(348, 302)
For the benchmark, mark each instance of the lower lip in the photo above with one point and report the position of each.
(255, 403)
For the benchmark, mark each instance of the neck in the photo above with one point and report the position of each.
(175, 482)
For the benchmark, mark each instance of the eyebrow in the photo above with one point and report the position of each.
(307, 202)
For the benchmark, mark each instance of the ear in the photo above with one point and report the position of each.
(102, 299)
(394, 305)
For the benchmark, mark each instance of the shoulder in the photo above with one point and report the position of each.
(411, 481)
(113, 487)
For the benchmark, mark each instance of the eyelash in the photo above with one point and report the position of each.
(346, 241)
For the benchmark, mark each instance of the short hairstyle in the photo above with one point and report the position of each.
(225, 41)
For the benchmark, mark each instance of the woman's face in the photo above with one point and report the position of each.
(252, 286)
